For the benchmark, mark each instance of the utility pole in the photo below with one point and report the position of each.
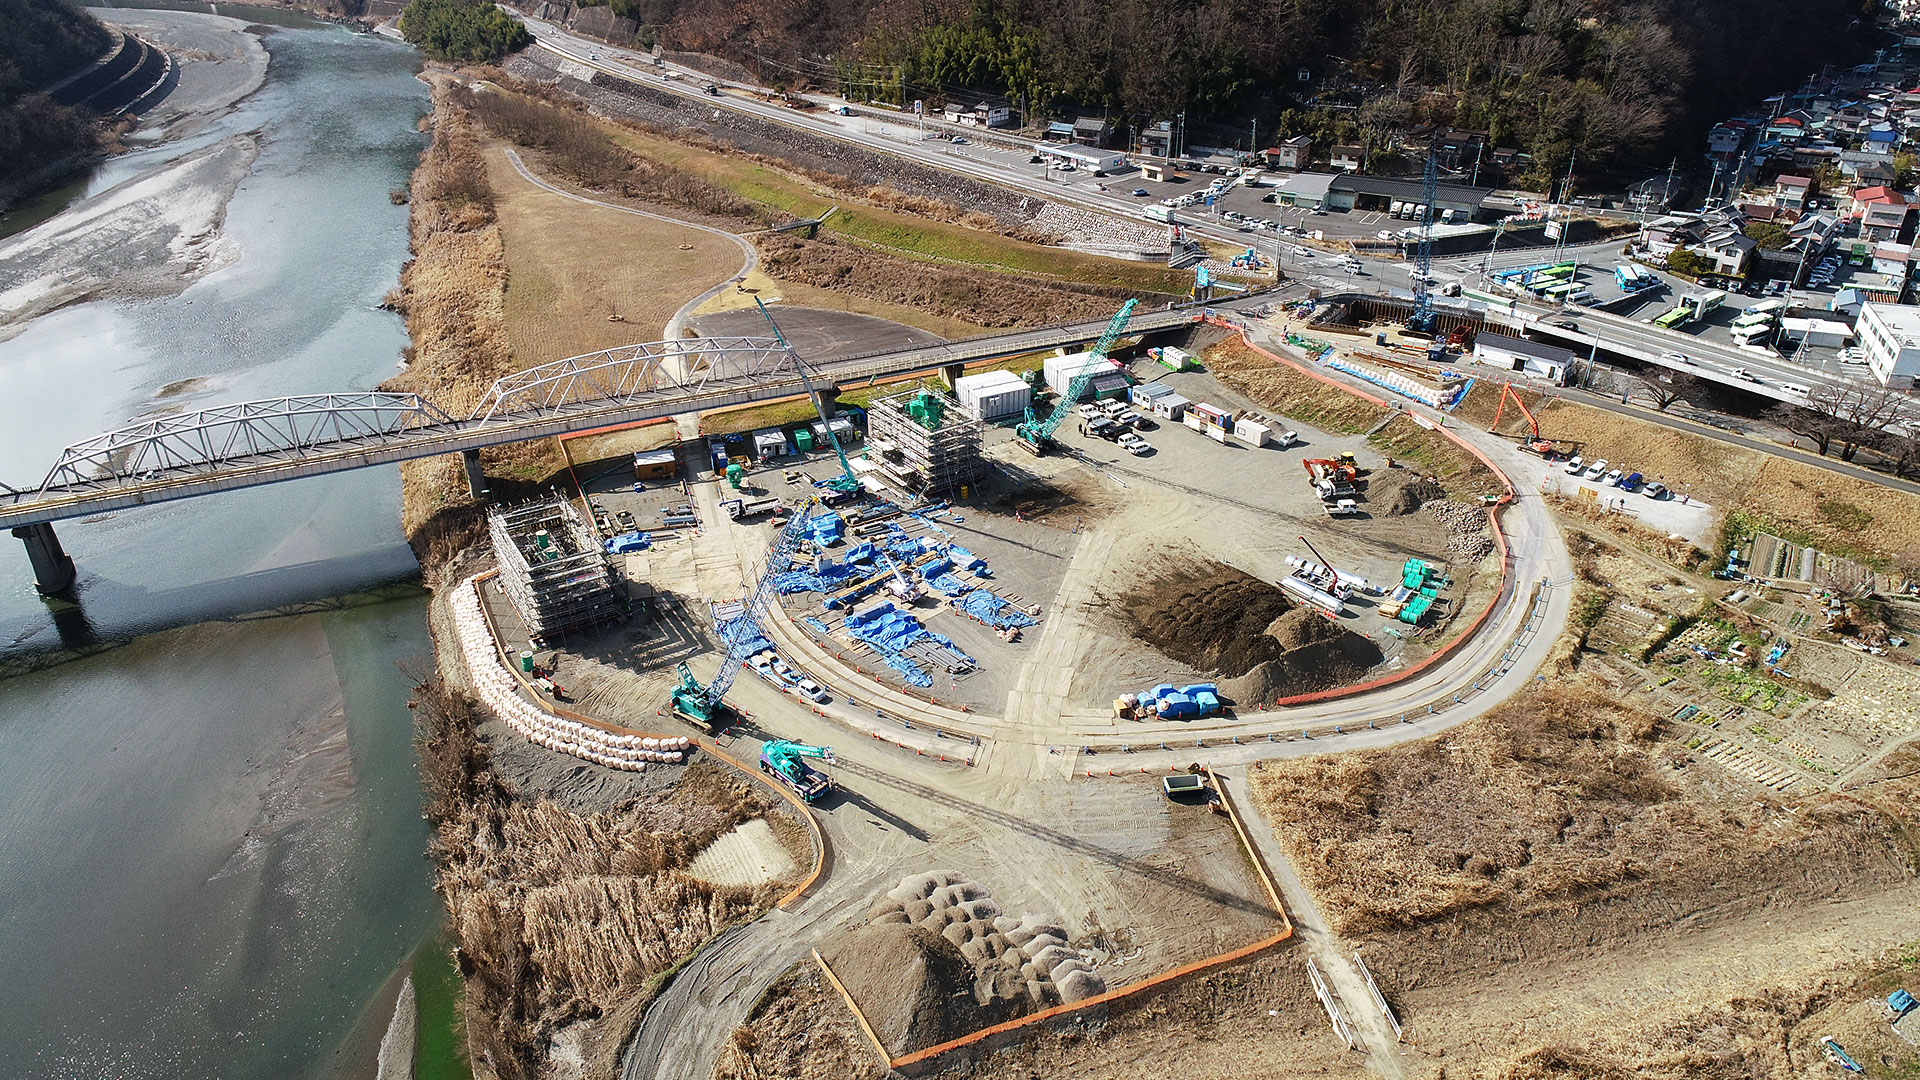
(1253, 138)
(1566, 191)
(1480, 148)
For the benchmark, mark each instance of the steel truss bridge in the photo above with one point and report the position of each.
(252, 443)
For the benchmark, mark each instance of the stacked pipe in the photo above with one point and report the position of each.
(497, 689)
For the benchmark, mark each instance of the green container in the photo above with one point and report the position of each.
(803, 440)
(526, 660)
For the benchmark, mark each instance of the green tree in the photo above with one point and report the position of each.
(1768, 235)
(1906, 168)
(469, 31)
(1690, 263)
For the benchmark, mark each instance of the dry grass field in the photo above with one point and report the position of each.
(1287, 392)
(796, 294)
(582, 278)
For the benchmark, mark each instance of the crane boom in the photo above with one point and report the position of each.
(1037, 431)
(1534, 442)
(846, 481)
(1422, 319)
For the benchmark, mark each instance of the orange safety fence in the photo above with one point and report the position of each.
(712, 747)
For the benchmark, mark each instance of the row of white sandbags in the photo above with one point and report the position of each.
(499, 691)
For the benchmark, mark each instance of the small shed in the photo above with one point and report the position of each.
(1145, 394)
(1536, 358)
(1252, 432)
(770, 443)
(992, 395)
(1213, 416)
(843, 430)
(655, 464)
(1170, 406)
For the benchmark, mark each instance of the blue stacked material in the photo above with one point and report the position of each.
(1197, 689)
(626, 542)
(816, 624)
(1176, 706)
(1207, 703)
(1159, 691)
(743, 636)
(825, 528)
(860, 553)
(946, 584)
(890, 630)
(967, 560)
(829, 577)
(906, 549)
(992, 609)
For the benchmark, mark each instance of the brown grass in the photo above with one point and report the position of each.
(562, 916)
(1460, 472)
(800, 1029)
(984, 298)
(1555, 801)
(572, 266)
(1282, 390)
(795, 294)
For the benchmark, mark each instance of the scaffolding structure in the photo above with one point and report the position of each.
(924, 442)
(553, 568)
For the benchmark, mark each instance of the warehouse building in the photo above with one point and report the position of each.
(1107, 381)
(1534, 358)
(1890, 336)
(1359, 191)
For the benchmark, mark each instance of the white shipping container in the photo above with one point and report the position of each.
(1251, 433)
(992, 395)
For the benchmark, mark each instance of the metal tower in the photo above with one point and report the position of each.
(1422, 319)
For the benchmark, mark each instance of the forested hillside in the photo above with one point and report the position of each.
(44, 40)
(1616, 81)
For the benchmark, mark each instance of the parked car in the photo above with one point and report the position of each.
(1134, 444)
(1613, 479)
(1655, 490)
(1088, 410)
(811, 690)
(959, 140)
(1576, 465)
(1631, 483)
(1596, 470)
(1140, 192)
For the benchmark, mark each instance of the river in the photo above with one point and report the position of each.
(213, 857)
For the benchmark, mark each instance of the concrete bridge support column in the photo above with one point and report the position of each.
(53, 572)
(823, 401)
(476, 479)
(952, 373)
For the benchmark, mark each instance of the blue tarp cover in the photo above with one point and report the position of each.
(625, 542)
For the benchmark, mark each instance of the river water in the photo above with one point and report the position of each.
(212, 855)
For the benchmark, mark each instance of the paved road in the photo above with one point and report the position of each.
(676, 326)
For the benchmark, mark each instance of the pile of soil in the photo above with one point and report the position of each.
(1211, 617)
(1398, 492)
(912, 984)
(1316, 655)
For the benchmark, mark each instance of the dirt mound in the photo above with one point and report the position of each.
(905, 978)
(1248, 632)
(1316, 655)
(1397, 492)
(1210, 616)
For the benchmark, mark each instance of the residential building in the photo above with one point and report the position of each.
(1725, 138)
(1887, 221)
(1791, 191)
(1294, 153)
(1729, 248)
(1878, 193)
(1157, 140)
(1890, 336)
(1092, 131)
(1349, 157)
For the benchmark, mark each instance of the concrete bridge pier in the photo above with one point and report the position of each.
(823, 400)
(952, 373)
(53, 571)
(476, 479)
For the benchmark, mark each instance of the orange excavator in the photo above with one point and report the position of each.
(1331, 479)
(1533, 443)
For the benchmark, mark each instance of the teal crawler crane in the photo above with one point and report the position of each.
(785, 762)
(1036, 432)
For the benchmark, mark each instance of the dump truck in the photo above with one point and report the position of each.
(742, 509)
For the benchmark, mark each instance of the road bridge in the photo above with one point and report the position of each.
(253, 443)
